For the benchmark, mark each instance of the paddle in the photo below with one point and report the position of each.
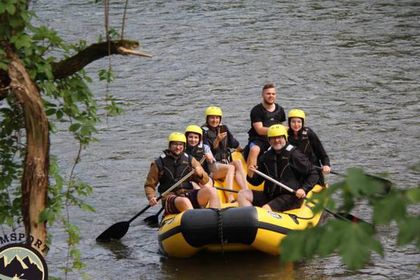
(118, 230)
(385, 182)
(153, 220)
(226, 190)
(345, 216)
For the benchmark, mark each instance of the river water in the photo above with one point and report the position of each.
(353, 66)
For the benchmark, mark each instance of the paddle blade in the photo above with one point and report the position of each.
(116, 231)
(152, 221)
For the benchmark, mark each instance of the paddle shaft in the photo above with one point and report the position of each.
(164, 193)
(226, 190)
(310, 200)
(368, 175)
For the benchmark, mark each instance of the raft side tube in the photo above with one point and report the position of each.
(202, 227)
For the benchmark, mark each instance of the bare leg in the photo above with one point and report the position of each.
(183, 203)
(267, 207)
(208, 195)
(240, 176)
(253, 156)
(245, 198)
(227, 172)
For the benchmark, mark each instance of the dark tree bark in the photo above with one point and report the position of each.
(94, 52)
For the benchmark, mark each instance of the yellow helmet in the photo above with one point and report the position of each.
(296, 113)
(194, 129)
(277, 130)
(177, 137)
(213, 111)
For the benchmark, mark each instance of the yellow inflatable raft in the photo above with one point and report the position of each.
(232, 228)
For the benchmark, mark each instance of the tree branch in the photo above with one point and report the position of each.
(35, 173)
(94, 52)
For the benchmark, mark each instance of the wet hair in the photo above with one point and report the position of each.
(269, 85)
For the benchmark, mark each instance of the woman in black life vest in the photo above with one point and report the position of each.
(306, 140)
(220, 140)
(198, 150)
(286, 164)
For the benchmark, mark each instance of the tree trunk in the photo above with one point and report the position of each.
(35, 173)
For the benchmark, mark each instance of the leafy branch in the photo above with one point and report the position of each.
(355, 242)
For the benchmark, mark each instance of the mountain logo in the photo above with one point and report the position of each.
(20, 261)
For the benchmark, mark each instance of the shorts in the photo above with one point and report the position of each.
(264, 145)
(280, 203)
(169, 204)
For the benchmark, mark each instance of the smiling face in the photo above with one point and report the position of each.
(277, 142)
(269, 96)
(193, 139)
(176, 147)
(296, 124)
(213, 121)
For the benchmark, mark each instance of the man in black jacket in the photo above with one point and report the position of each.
(286, 164)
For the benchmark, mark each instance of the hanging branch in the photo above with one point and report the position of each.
(94, 52)
(124, 18)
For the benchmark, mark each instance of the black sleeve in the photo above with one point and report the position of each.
(232, 142)
(318, 148)
(282, 114)
(308, 174)
(256, 115)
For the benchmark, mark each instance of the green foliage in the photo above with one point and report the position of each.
(355, 242)
(68, 102)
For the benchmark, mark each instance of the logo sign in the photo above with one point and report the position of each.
(21, 261)
(274, 214)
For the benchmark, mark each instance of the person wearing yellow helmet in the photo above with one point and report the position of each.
(197, 149)
(263, 115)
(168, 169)
(308, 142)
(220, 140)
(286, 164)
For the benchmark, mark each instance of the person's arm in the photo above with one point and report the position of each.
(200, 176)
(152, 180)
(260, 129)
(256, 116)
(208, 154)
(318, 148)
(305, 169)
(232, 142)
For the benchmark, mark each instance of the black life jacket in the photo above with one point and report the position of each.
(303, 143)
(277, 166)
(198, 153)
(172, 169)
(222, 153)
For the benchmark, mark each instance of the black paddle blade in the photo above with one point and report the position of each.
(116, 231)
(152, 221)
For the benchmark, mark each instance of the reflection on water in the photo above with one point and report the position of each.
(118, 249)
(230, 266)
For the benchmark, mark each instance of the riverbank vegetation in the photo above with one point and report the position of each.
(43, 84)
(355, 240)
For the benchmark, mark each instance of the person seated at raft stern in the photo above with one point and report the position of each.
(198, 150)
(219, 138)
(168, 169)
(306, 140)
(286, 164)
(263, 115)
